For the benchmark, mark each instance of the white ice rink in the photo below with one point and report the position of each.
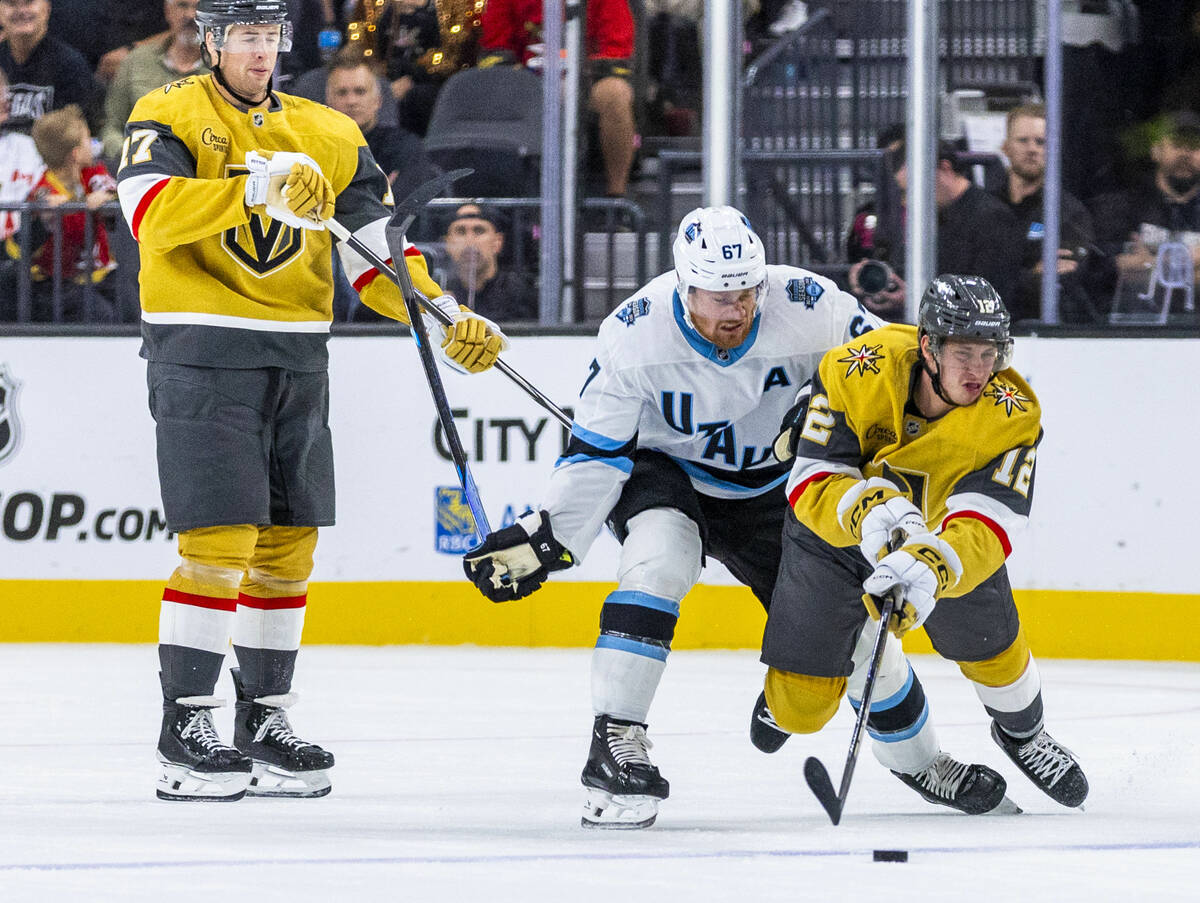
(458, 779)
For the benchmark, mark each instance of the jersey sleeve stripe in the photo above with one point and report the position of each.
(597, 440)
(1000, 532)
(798, 490)
(623, 464)
(365, 279)
(136, 194)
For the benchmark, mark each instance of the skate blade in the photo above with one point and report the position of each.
(180, 783)
(607, 812)
(272, 781)
(1005, 807)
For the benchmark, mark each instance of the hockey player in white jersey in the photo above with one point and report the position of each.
(672, 447)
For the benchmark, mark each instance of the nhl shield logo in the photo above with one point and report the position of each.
(10, 426)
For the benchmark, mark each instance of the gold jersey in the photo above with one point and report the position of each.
(970, 471)
(224, 286)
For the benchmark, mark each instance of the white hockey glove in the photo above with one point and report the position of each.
(291, 188)
(922, 569)
(473, 343)
(881, 520)
(515, 561)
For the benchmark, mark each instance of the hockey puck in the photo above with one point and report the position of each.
(891, 856)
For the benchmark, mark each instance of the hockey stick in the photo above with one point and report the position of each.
(814, 772)
(395, 241)
(402, 217)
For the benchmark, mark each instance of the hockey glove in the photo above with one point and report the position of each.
(785, 443)
(290, 187)
(882, 519)
(922, 569)
(473, 343)
(515, 561)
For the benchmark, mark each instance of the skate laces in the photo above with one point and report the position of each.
(628, 744)
(279, 729)
(201, 729)
(764, 715)
(1045, 758)
(943, 777)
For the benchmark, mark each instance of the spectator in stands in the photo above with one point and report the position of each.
(419, 58)
(20, 169)
(977, 235)
(1132, 224)
(72, 174)
(44, 74)
(512, 33)
(474, 240)
(151, 65)
(20, 166)
(1025, 147)
(105, 31)
(353, 88)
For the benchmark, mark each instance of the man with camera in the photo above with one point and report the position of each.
(976, 234)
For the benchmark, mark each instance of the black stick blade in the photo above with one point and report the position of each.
(406, 211)
(822, 788)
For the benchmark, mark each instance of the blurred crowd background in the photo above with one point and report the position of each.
(435, 84)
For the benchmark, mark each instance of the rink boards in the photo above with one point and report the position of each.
(1103, 571)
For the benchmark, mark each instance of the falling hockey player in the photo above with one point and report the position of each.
(924, 429)
(226, 185)
(672, 447)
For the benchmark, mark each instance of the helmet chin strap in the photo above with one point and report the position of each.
(935, 377)
(246, 101)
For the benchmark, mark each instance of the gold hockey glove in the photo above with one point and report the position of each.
(471, 344)
(307, 193)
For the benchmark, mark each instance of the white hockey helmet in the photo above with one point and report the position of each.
(717, 249)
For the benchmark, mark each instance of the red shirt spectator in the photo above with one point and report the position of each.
(74, 261)
(513, 25)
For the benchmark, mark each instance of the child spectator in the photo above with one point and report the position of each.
(72, 174)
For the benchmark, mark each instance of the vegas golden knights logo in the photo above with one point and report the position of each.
(263, 245)
(10, 427)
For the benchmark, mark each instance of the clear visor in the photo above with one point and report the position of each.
(251, 37)
(1001, 357)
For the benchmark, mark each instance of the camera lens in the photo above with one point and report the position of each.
(873, 276)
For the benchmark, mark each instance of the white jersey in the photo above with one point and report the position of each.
(656, 383)
(21, 168)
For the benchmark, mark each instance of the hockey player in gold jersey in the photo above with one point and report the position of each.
(928, 431)
(226, 185)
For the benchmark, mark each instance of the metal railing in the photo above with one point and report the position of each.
(614, 254)
(802, 202)
(17, 280)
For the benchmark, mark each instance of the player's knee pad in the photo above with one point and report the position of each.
(802, 704)
(1001, 670)
(215, 556)
(1010, 687)
(661, 554)
(283, 559)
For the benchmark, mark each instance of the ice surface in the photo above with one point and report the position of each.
(458, 779)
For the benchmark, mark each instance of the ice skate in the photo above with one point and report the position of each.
(1047, 763)
(973, 789)
(283, 764)
(765, 734)
(196, 765)
(623, 788)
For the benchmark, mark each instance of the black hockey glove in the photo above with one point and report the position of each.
(515, 561)
(785, 443)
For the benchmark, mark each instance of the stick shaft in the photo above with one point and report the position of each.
(429, 365)
(374, 259)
